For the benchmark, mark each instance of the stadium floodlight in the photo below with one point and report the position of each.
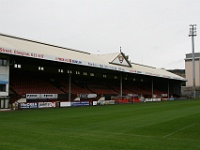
(192, 34)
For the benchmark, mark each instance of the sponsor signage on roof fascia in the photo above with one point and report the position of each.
(21, 53)
(132, 71)
(68, 60)
(60, 59)
(147, 73)
(139, 72)
(76, 62)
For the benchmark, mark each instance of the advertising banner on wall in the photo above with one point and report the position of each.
(46, 104)
(106, 102)
(32, 96)
(41, 96)
(152, 99)
(37, 105)
(28, 105)
(49, 96)
(65, 104)
(84, 103)
(87, 96)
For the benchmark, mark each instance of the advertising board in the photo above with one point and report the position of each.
(28, 105)
(83, 103)
(41, 96)
(65, 104)
(46, 104)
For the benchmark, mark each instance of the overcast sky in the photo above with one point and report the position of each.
(151, 32)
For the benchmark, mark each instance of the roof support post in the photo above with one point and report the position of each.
(168, 90)
(121, 85)
(152, 89)
(69, 92)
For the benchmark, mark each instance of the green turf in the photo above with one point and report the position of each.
(173, 125)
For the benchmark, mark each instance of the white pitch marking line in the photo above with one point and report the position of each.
(178, 130)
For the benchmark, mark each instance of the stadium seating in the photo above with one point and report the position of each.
(101, 88)
(75, 89)
(32, 85)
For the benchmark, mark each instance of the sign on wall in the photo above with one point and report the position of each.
(41, 96)
(28, 105)
(83, 103)
(46, 104)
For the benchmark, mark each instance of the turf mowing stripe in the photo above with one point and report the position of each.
(89, 132)
(178, 130)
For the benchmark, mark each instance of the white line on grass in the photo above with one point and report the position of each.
(89, 132)
(117, 133)
(178, 130)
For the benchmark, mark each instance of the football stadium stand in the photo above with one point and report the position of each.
(32, 71)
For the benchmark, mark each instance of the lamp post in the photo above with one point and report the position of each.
(192, 34)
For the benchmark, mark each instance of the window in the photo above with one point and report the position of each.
(40, 68)
(60, 70)
(91, 74)
(3, 62)
(115, 77)
(17, 66)
(69, 71)
(85, 73)
(104, 76)
(2, 88)
(77, 72)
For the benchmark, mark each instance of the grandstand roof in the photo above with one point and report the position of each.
(115, 61)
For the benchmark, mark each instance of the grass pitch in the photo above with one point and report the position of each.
(173, 125)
